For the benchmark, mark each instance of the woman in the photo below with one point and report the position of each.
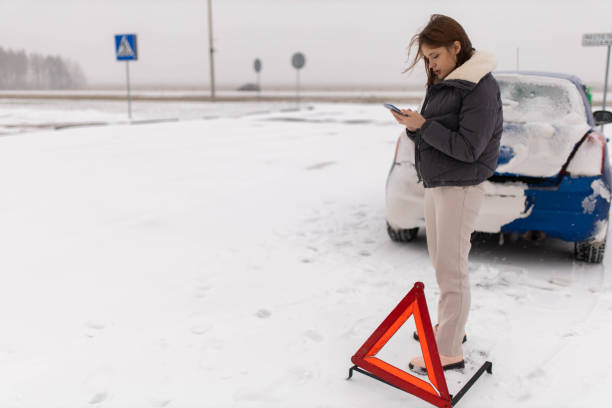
(456, 138)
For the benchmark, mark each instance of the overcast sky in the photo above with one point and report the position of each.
(345, 41)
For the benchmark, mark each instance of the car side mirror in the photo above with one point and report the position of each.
(602, 117)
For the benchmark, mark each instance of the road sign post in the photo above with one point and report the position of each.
(598, 40)
(211, 52)
(298, 60)
(129, 97)
(126, 50)
(257, 68)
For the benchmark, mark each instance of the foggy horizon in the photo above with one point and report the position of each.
(354, 44)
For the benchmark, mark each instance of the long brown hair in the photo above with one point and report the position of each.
(441, 31)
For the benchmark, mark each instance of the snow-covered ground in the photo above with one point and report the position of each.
(23, 115)
(241, 262)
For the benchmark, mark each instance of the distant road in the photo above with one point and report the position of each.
(407, 97)
(410, 97)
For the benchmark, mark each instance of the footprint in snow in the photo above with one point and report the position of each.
(93, 328)
(161, 403)
(98, 397)
(252, 395)
(346, 290)
(320, 165)
(95, 325)
(538, 372)
(202, 291)
(313, 335)
(199, 330)
(263, 313)
(300, 374)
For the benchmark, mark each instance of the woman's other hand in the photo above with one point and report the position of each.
(413, 120)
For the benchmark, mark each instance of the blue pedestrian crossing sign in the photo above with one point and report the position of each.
(125, 47)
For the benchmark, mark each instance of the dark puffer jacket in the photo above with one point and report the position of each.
(458, 145)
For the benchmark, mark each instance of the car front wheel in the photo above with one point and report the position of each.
(590, 251)
(402, 235)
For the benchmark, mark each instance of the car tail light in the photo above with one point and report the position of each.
(588, 156)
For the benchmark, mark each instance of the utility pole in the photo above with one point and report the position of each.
(606, 81)
(211, 51)
(517, 58)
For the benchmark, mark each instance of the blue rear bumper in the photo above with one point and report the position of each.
(569, 209)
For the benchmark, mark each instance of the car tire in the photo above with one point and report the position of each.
(402, 235)
(590, 251)
(480, 237)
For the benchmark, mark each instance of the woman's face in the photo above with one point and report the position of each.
(442, 60)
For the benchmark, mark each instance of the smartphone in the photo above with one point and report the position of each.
(393, 108)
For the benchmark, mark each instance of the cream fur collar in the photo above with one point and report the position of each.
(479, 65)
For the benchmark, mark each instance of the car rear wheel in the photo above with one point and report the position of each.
(590, 251)
(402, 235)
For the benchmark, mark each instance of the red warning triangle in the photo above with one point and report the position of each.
(413, 304)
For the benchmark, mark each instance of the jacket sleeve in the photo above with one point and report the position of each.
(411, 135)
(477, 119)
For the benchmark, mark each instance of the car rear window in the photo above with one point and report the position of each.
(540, 99)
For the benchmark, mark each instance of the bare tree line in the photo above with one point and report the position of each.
(19, 70)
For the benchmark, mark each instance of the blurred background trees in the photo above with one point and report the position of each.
(19, 70)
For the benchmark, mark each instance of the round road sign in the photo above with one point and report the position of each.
(298, 60)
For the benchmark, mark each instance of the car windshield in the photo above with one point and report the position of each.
(540, 99)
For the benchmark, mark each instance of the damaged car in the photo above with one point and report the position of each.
(553, 172)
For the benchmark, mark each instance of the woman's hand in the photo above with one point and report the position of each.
(413, 120)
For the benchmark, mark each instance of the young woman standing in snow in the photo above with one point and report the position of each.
(456, 138)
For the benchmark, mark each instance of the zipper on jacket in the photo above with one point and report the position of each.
(427, 95)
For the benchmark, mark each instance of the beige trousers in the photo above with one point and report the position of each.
(450, 216)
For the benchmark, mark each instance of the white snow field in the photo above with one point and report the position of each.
(242, 261)
(23, 115)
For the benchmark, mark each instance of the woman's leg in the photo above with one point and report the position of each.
(430, 224)
(456, 210)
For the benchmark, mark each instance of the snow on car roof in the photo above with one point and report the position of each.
(544, 117)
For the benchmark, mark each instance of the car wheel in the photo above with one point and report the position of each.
(480, 237)
(590, 251)
(402, 235)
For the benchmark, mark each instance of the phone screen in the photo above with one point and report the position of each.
(393, 108)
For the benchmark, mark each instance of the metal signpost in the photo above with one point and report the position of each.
(211, 52)
(298, 60)
(257, 67)
(600, 39)
(126, 50)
